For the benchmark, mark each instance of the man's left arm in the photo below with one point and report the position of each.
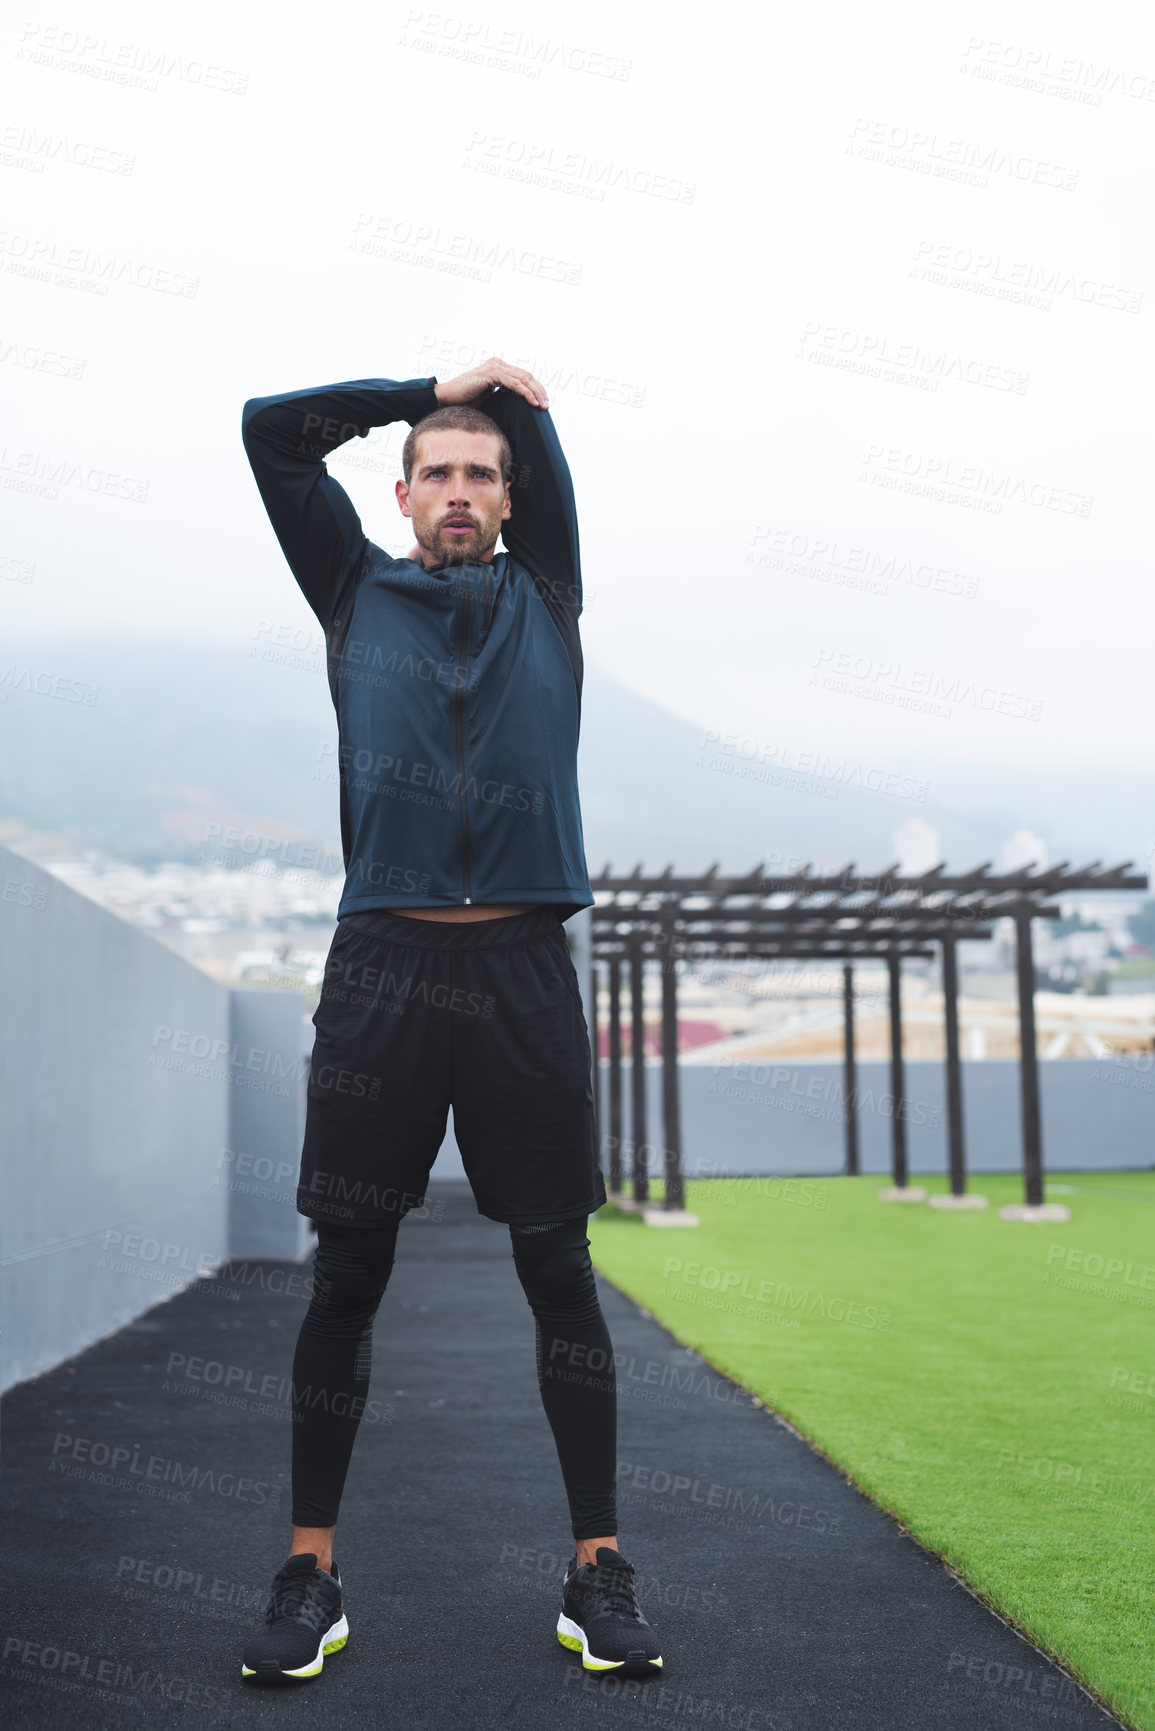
(542, 531)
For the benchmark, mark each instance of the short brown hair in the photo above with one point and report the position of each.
(461, 419)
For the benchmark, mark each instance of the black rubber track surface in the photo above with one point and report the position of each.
(784, 1600)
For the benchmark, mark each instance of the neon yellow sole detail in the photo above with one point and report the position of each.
(577, 1645)
(308, 1670)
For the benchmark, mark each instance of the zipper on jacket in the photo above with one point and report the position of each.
(490, 600)
(461, 737)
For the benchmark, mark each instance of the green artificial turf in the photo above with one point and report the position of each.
(989, 1383)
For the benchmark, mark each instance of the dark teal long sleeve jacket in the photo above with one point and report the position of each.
(457, 690)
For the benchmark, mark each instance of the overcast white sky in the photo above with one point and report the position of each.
(793, 196)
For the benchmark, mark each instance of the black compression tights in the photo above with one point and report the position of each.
(575, 1365)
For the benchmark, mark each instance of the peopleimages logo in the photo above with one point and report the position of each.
(962, 159)
(734, 1283)
(184, 1041)
(751, 759)
(47, 258)
(61, 1668)
(926, 688)
(853, 566)
(1022, 281)
(1032, 68)
(383, 769)
(942, 475)
(874, 354)
(401, 241)
(498, 152)
(1074, 1261)
(373, 987)
(75, 1456)
(229, 1384)
(486, 44)
(56, 685)
(139, 65)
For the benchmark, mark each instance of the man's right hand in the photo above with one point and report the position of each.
(466, 386)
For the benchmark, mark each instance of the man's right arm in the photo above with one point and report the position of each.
(286, 439)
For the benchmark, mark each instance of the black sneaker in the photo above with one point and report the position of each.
(303, 1622)
(600, 1618)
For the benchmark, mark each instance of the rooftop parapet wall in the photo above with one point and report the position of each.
(134, 1089)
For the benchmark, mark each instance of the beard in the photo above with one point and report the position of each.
(449, 549)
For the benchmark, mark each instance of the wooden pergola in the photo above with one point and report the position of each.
(810, 916)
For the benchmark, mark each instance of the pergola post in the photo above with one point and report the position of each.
(595, 1052)
(638, 1069)
(1029, 1063)
(954, 1105)
(898, 1127)
(615, 1076)
(850, 1083)
(671, 1117)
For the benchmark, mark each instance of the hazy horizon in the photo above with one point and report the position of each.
(848, 414)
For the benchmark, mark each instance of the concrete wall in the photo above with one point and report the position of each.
(789, 1118)
(123, 1073)
(260, 1167)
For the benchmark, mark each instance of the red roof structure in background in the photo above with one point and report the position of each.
(690, 1034)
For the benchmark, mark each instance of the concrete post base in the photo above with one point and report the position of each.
(951, 1201)
(656, 1215)
(904, 1193)
(1044, 1211)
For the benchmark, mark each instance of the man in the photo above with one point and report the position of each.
(456, 675)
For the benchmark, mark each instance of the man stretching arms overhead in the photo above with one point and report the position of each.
(456, 674)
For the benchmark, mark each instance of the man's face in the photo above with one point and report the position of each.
(456, 497)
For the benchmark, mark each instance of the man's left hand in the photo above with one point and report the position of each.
(466, 386)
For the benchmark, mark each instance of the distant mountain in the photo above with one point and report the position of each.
(182, 737)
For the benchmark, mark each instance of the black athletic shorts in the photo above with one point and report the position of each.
(418, 1015)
